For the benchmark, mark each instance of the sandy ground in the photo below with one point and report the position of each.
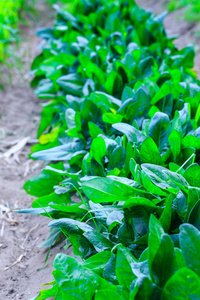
(20, 258)
(19, 118)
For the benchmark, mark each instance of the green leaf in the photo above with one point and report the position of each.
(43, 183)
(113, 83)
(94, 130)
(117, 159)
(175, 143)
(144, 290)
(109, 190)
(47, 293)
(97, 262)
(71, 226)
(179, 258)
(52, 238)
(193, 198)
(100, 242)
(109, 272)
(178, 180)
(107, 294)
(190, 246)
(98, 149)
(149, 152)
(166, 216)
(124, 271)
(191, 141)
(162, 264)
(70, 208)
(166, 89)
(149, 186)
(143, 203)
(111, 118)
(192, 175)
(135, 170)
(184, 284)
(133, 135)
(156, 232)
(159, 130)
(63, 152)
(76, 281)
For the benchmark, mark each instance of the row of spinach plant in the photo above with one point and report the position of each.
(121, 129)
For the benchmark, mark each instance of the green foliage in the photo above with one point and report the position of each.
(156, 276)
(122, 123)
(9, 18)
(192, 8)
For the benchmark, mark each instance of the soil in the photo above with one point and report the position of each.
(19, 118)
(21, 260)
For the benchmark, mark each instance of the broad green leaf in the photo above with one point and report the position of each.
(194, 214)
(94, 130)
(175, 143)
(117, 159)
(144, 290)
(191, 141)
(156, 232)
(133, 135)
(177, 179)
(98, 149)
(97, 262)
(151, 187)
(112, 118)
(190, 246)
(145, 204)
(47, 293)
(109, 272)
(179, 258)
(162, 264)
(70, 208)
(71, 226)
(76, 281)
(123, 262)
(192, 175)
(63, 152)
(149, 152)
(166, 216)
(107, 294)
(159, 130)
(101, 190)
(100, 242)
(184, 284)
(167, 88)
(43, 183)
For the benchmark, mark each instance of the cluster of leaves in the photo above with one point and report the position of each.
(122, 128)
(162, 271)
(192, 8)
(9, 18)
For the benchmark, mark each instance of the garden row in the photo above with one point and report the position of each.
(122, 130)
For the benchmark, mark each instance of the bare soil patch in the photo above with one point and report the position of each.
(20, 258)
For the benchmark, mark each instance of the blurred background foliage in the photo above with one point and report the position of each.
(192, 8)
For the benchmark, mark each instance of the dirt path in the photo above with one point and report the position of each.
(19, 118)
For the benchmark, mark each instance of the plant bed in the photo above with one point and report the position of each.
(122, 130)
